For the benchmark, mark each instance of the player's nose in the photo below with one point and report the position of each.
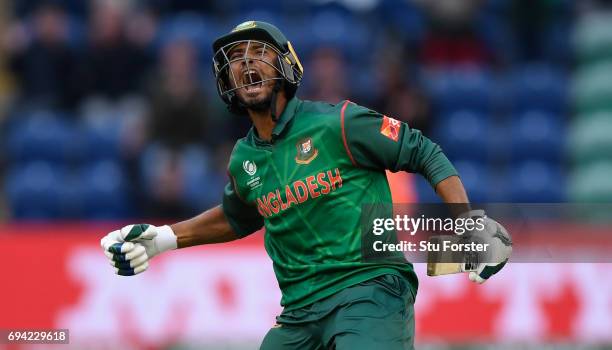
(246, 61)
(250, 57)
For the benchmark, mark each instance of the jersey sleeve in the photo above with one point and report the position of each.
(376, 141)
(243, 218)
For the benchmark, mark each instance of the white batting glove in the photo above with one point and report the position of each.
(130, 248)
(498, 251)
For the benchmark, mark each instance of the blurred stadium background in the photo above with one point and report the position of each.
(109, 113)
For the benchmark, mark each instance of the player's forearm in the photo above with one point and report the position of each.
(451, 191)
(209, 227)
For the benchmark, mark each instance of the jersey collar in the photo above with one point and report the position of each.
(285, 117)
(281, 124)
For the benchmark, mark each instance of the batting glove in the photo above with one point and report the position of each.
(130, 248)
(498, 251)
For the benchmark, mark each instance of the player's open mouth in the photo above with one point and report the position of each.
(249, 78)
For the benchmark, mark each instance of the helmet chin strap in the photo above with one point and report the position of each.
(277, 86)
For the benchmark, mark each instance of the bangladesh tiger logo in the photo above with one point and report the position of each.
(306, 151)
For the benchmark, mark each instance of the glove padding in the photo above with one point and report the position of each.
(130, 248)
(498, 251)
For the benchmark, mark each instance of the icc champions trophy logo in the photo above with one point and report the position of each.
(249, 167)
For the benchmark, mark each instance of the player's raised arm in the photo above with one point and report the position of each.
(130, 248)
(379, 142)
(376, 141)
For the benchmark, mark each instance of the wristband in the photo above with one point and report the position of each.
(166, 239)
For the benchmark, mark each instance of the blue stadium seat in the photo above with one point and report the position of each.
(316, 7)
(497, 34)
(272, 6)
(43, 136)
(538, 135)
(363, 83)
(477, 179)
(201, 186)
(150, 162)
(404, 17)
(463, 88)
(34, 190)
(556, 42)
(539, 87)
(339, 30)
(102, 138)
(464, 134)
(537, 182)
(297, 31)
(104, 190)
(198, 178)
(199, 29)
(203, 191)
(257, 14)
(293, 9)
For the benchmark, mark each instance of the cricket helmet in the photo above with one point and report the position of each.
(264, 35)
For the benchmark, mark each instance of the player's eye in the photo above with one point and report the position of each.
(235, 55)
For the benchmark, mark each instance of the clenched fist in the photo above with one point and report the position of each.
(130, 248)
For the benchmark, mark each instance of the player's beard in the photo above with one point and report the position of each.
(260, 103)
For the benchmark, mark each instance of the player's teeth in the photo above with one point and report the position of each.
(251, 76)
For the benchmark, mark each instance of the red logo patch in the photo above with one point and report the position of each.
(390, 127)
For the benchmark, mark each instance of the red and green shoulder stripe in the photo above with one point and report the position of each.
(376, 141)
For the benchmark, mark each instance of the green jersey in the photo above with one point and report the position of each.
(307, 187)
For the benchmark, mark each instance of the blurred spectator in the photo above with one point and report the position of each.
(150, 103)
(531, 22)
(112, 65)
(401, 96)
(44, 65)
(587, 6)
(6, 77)
(23, 8)
(452, 38)
(178, 107)
(409, 104)
(177, 6)
(328, 79)
(142, 27)
(178, 129)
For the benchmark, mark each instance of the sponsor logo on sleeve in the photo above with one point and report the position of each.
(390, 128)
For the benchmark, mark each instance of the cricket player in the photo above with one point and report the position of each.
(303, 172)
